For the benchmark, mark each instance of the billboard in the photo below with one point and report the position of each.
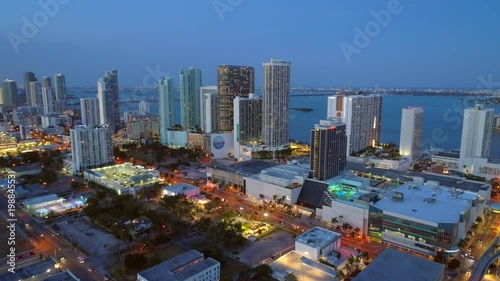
(222, 145)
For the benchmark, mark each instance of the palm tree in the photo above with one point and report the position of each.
(345, 226)
(357, 230)
(335, 220)
(341, 217)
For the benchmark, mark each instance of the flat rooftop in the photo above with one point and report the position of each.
(282, 175)
(428, 203)
(195, 269)
(163, 270)
(409, 268)
(245, 168)
(317, 237)
(29, 271)
(305, 271)
(125, 175)
(408, 177)
(180, 188)
(62, 276)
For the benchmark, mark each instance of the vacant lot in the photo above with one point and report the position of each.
(22, 244)
(89, 237)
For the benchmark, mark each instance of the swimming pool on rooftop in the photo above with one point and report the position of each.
(342, 191)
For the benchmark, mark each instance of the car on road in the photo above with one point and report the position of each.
(480, 241)
(106, 277)
(80, 259)
(468, 273)
(471, 256)
(89, 269)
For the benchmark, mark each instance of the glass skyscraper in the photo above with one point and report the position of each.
(109, 100)
(166, 106)
(190, 79)
(28, 78)
(232, 81)
(9, 92)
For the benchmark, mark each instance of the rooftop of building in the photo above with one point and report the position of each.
(41, 199)
(283, 175)
(408, 176)
(62, 276)
(191, 271)
(312, 193)
(317, 237)
(429, 203)
(163, 270)
(245, 168)
(409, 268)
(302, 267)
(180, 188)
(29, 270)
(125, 175)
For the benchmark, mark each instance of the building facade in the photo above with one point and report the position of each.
(109, 100)
(476, 136)
(144, 107)
(190, 79)
(166, 106)
(28, 78)
(35, 94)
(89, 111)
(328, 149)
(9, 93)
(362, 116)
(60, 92)
(188, 266)
(208, 99)
(90, 147)
(232, 81)
(276, 104)
(247, 123)
(412, 125)
(47, 100)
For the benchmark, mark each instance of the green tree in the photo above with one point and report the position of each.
(135, 262)
(453, 264)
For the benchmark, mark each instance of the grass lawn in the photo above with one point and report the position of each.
(22, 244)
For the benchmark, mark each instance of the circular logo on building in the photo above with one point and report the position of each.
(218, 142)
(339, 114)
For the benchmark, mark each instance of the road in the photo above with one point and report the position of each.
(47, 243)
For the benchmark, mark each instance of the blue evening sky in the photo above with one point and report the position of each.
(426, 43)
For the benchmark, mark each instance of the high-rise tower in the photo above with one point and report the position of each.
(362, 116)
(166, 106)
(232, 81)
(276, 104)
(109, 100)
(410, 141)
(328, 149)
(190, 79)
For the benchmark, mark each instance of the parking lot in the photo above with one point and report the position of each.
(90, 238)
(274, 244)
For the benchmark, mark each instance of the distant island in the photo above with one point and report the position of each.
(303, 109)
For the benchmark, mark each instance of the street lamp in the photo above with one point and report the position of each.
(265, 215)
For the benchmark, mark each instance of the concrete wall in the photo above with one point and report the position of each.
(355, 215)
(256, 187)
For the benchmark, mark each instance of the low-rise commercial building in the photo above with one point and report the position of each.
(394, 265)
(283, 181)
(181, 188)
(236, 172)
(188, 266)
(123, 178)
(424, 218)
(51, 204)
(317, 243)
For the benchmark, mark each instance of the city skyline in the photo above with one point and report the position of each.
(403, 42)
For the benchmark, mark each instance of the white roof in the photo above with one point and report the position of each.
(317, 237)
(428, 203)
